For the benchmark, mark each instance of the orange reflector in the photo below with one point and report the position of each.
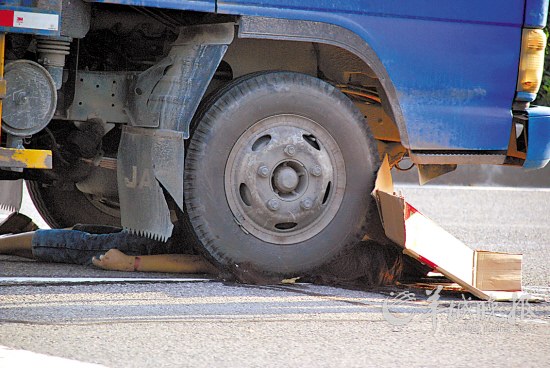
(531, 65)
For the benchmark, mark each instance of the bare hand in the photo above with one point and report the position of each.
(114, 260)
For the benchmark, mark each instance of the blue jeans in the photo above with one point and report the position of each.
(76, 246)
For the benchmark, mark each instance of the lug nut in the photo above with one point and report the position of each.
(273, 204)
(290, 150)
(263, 171)
(316, 170)
(306, 204)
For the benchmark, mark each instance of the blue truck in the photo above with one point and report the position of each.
(259, 124)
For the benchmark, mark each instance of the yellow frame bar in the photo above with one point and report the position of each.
(25, 158)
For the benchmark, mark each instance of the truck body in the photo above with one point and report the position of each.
(110, 112)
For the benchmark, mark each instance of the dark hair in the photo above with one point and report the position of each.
(367, 264)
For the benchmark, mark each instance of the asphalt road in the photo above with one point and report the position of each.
(185, 322)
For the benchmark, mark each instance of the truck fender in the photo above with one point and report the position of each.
(318, 32)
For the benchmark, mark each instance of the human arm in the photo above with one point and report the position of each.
(181, 263)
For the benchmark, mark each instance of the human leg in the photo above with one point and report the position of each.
(17, 244)
(72, 246)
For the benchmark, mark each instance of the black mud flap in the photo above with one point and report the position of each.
(148, 161)
(167, 95)
(162, 102)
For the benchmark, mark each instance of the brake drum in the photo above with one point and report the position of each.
(31, 98)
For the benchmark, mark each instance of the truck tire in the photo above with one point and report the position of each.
(62, 208)
(278, 174)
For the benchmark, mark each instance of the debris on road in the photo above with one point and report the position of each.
(487, 275)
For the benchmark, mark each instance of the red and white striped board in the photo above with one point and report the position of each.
(29, 20)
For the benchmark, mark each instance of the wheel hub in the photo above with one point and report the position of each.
(285, 179)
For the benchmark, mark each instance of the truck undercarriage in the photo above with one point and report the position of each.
(280, 125)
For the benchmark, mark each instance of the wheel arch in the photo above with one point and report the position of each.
(329, 34)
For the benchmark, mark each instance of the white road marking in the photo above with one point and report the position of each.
(22, 358)
(469, 188)
(87, 280)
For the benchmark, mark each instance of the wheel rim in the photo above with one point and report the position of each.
(285, 179)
